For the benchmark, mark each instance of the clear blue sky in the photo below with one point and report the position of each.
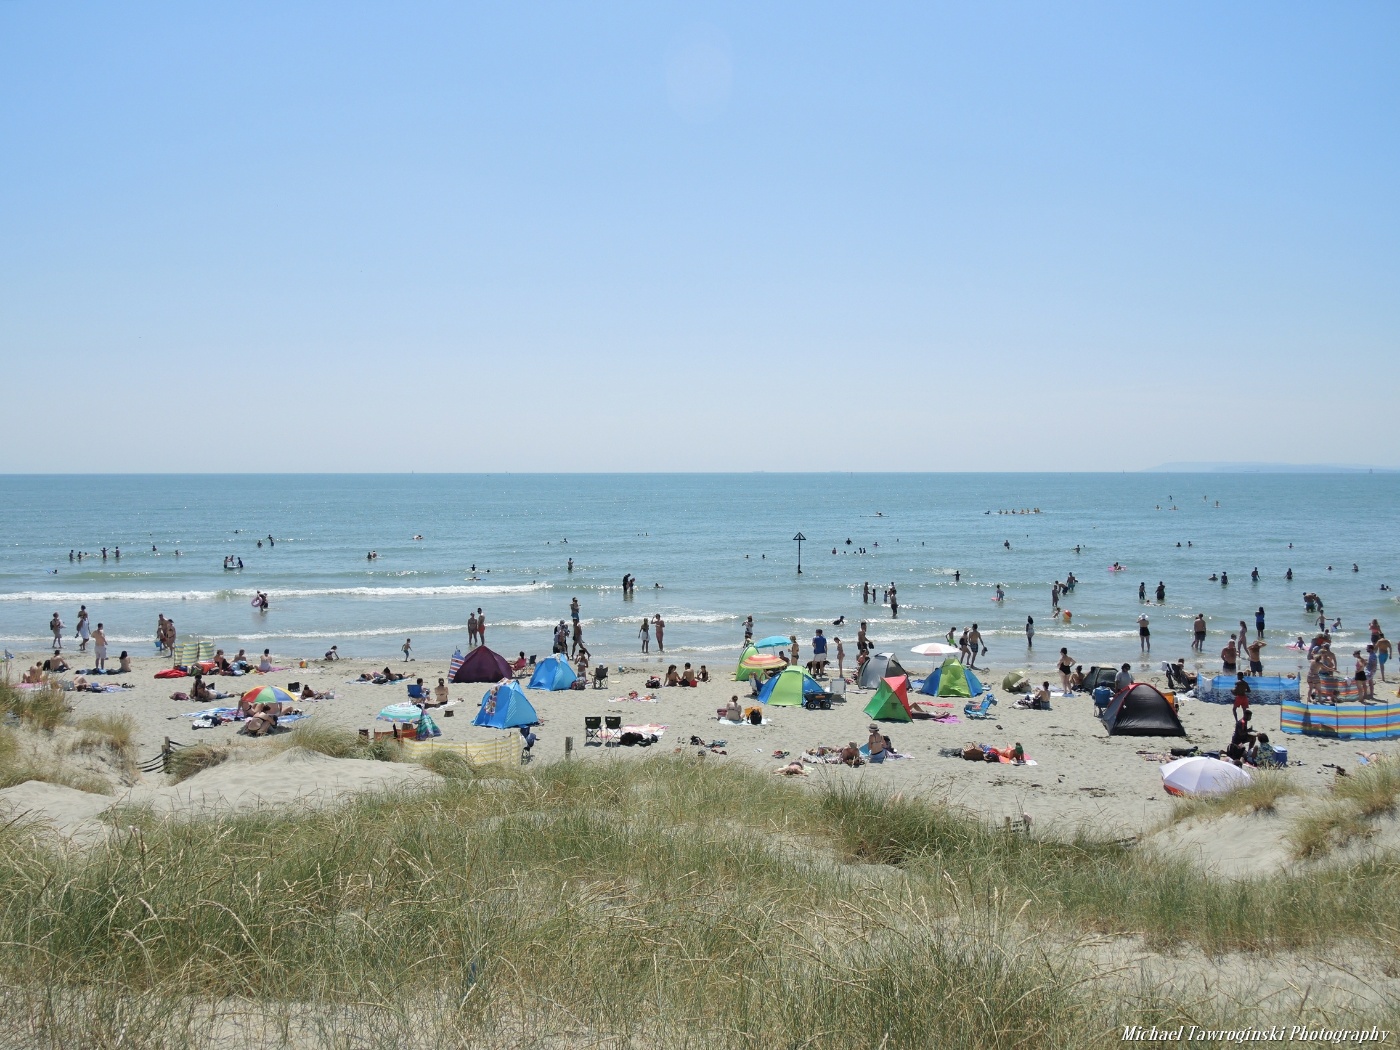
(296, 236)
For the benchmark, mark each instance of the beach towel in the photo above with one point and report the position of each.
(744, 722)
(648, 699)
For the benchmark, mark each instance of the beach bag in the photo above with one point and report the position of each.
(973, 753)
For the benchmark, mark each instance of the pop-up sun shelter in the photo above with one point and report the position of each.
(482, 665)
(952, 679)
(878, 668)
(505, 705)
(553, 672)
(891, 701)
(1141, 710)
(788, 688)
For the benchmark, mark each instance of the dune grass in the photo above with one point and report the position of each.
(45, 708)
(185, 762)
(658, 903)
(336, 743)
(1373, 789)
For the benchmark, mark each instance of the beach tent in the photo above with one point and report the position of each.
(1141, 710)
(891, 701)
(742, 673)
(1016, 682)
(788, 688)
(1097, 676)
(482, 665)
(553, 672)
(878, 668)
(952, 679)
(505, 705)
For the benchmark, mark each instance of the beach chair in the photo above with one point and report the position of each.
(600, 676)
(613, 724)
(836, 688)
(592, 725)
(417, 692)
(979, 706)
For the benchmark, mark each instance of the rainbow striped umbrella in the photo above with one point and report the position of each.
(762, 662)
(268, 694)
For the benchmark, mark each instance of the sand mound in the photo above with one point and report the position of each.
(69, 813)
(303, 777)
(289, 778)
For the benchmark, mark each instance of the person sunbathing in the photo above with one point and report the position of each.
(704, 675)
(1076, 680)
(688, 676)
(307, 693)
(261, 720)
(34, 676)
(125, 663)
(55, 664)
(734, 712)
(672, 678)
(221, 662)
(850, 755)
(389, 676)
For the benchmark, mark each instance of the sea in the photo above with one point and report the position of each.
(706, 550)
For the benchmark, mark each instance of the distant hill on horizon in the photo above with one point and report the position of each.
(1266, 468)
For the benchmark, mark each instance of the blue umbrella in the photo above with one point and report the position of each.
(773, 641)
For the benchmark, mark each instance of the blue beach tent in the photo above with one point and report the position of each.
(505, 705)
(957, 676)
(553, 672)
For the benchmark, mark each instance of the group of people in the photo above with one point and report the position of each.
(886, 596)
(644, 632)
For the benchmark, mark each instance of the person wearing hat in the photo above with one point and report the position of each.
(877, 744)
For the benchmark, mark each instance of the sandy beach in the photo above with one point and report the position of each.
(1081, 777)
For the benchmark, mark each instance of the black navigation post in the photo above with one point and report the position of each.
(799, 538)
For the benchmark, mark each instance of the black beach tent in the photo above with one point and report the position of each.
(1141, 710)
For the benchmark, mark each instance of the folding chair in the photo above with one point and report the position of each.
(600, 676)
(613, 723)
(591, 726)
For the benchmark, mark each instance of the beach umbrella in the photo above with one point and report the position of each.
(268, 694)
(773, 641)
(762, 662)
(935, 649)
(1202, 776)
(404, 712)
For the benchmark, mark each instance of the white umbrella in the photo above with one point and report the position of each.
(935, 649)
(1202, 776)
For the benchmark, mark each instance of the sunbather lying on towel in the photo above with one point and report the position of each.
(260, 720)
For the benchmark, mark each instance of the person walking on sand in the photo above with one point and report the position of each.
(1030, 632)
(84, 630)
(1198, 633)
(471, 630)
(99, 647)
(1144, 634)
(840, 658)
(644, 633)
(56, 626)
(660, 626)
(407, 649)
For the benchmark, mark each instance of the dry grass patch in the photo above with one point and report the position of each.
(1373, 789)
(185, 762)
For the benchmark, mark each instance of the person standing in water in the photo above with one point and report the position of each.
(644, 633)
(660, 626)
(1030, 633)
(481, 625)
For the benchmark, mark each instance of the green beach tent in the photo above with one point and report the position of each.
(741, 673)
(891, 701)
(788, 688)
(952, 679)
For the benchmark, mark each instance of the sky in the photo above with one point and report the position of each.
(675, 237)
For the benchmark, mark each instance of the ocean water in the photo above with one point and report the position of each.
(720, 546)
